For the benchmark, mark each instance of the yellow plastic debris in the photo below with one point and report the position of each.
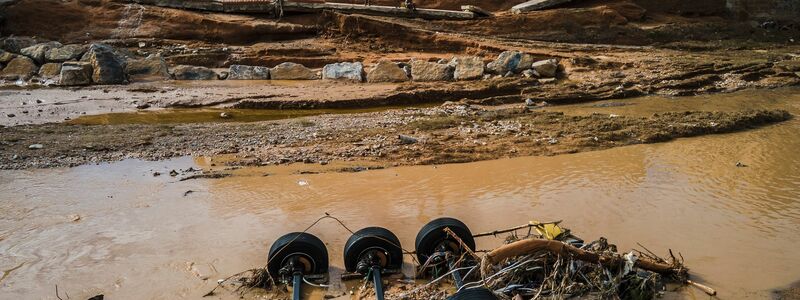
(548, 231)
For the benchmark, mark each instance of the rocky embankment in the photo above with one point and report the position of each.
(27, 61)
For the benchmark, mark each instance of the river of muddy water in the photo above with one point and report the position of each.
(117, 230)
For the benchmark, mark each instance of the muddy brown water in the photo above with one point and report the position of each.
(139, 237)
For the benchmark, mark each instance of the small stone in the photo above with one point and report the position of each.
(142, 106)
(405, 139)
(36, 146)
(75, 217)
(224, 115)
(156, 174)
(173, 173)
(546, 68)
(11, 115)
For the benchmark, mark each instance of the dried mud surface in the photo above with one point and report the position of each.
(452, 133)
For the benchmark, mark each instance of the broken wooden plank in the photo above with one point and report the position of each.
(391, 11)
(267, 6)
(477, 10)
(536, 5)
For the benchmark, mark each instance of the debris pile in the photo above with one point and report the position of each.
(547, 261)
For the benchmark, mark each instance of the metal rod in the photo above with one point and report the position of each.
(376, 279)
(298, 281)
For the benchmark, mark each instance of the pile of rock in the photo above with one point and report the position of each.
(24, 59)
(510, 63)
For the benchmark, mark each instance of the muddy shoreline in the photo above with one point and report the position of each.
(450, 133)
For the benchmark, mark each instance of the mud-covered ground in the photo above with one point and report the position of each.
(450, 133)
(607, 50)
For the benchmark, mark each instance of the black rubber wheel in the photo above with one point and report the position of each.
(310, 248)
(432, 235)
(473, 294)
(373, 238)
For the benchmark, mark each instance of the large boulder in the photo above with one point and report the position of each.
(38, 51)
(65, 53)
(352, 71)
(291, 71)
(184, 72)
(386, 71)
(546, 68)
(6, 56)
(76, 73)
(21, 67)
(107, 67)
(468, 68)
(430, 71)
(241, 72)
(151, 68)
(50, 70)
(508, 61)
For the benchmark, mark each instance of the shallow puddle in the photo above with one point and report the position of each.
(143, 237)
(206, 115)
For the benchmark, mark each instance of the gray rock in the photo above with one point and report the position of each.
(151, 68)
(19, 68)
(50, 70)
(292, 71)
(546, 68)
(107, 67)
(37, 52)
(240, 72)
(505, 62)
(15, 44)
(430, 71)
(184, 72)
(386, 71)
(65, 53)
(405, 139)
(76, 73)
(468, 68)
(36, 146)
(352, 71)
